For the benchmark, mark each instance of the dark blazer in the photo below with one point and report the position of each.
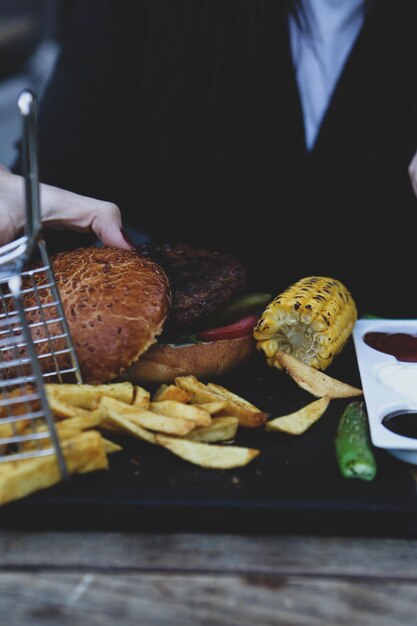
(187, 115)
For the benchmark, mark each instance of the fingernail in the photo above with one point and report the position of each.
(127, 239)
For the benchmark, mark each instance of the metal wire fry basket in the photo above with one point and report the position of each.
(35, 342)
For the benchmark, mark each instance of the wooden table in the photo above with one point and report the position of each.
(188, 579)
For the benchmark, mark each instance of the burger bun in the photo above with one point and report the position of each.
(162, 363)
(115, 303)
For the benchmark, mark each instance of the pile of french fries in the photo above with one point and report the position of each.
(188, 418)
(191, 419)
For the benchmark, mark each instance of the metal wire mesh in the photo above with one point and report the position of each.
(35, 346)
(35, 343)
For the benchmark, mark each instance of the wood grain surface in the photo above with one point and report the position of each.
(188, 579)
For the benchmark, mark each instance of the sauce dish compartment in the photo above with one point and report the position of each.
(383, 398)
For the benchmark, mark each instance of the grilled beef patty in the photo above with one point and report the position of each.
(202, 282)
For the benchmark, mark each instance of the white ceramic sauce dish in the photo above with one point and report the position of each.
(388, 385)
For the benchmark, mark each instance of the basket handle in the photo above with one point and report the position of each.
(27, 104)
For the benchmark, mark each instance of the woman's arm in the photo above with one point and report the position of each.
(60, 209)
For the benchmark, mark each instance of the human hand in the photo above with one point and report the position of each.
(412, 170)
(60, 210)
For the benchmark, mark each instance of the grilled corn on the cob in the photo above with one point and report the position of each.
(311, 320)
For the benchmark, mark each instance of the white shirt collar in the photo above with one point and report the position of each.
(319, 54)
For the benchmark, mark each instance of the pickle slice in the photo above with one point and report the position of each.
(239, 306)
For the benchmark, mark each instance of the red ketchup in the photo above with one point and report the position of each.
(401, 345)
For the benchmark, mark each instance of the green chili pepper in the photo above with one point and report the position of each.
(354, 452)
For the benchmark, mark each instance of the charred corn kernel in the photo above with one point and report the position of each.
(312, 320)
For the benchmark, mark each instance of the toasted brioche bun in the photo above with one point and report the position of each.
(162, 363)
(115, 302)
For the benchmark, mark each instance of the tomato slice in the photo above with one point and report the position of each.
(242, 327)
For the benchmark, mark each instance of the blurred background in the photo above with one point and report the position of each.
(29, 45)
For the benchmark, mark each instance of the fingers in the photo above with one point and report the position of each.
(60, 209)
(107, 226)
(63, 209)
(412, 170)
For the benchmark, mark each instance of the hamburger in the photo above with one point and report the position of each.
(208, 330)
(154, 314)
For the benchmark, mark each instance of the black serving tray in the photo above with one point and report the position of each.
(293, 486)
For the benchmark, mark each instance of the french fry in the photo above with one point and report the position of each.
(207, 455)
(66, 429)
(144, 418)
(249, 415)
(229, 395)
(117, 416)
(213, 407)
(111, 447)
(44, 443)
(220, 429)
(127, 426)
(63, 431)
(314, 381)
(161, 423)
(198, 391)
(172, 408)
(171, 392)
(62, 410)
(110, 427)
(21, 400)
(83, 453)
(159, 393)
(84, 422)
(88, 396)
(298, 422)
(142, 397)
(15, 428)
(107, 404)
